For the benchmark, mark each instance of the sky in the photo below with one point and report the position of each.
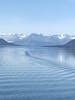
(37, 16)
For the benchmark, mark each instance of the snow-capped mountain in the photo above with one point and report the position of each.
(59, 39)
(41, 40)
(4, 43)
(33, 40)
(38, 39)
(12, 37)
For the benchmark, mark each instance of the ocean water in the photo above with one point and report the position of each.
(37, 73)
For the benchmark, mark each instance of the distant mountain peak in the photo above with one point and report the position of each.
(61, 36)
(22, 36)
(5, 43)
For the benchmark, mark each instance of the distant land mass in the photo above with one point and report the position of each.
(5, 43)
(70, 44)
(34, 39)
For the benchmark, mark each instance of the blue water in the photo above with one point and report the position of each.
(37, 73)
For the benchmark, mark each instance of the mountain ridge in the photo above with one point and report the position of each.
(5, 43)
(35, 39)
(41, 40)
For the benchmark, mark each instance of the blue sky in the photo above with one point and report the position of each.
(37, 16)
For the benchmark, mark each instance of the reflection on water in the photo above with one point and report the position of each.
(59, 55)
(37, 74)
(61, 58)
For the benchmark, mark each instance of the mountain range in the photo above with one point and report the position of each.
(36, 39)
(5, 43)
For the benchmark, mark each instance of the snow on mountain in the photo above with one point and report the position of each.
(73, 37)
(61, 36)
(37, 39)
(41, 40)
(13, 37)
(22, 36)
(59, 39)
(32, 40)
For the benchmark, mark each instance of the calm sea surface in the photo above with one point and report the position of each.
(37, 73)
